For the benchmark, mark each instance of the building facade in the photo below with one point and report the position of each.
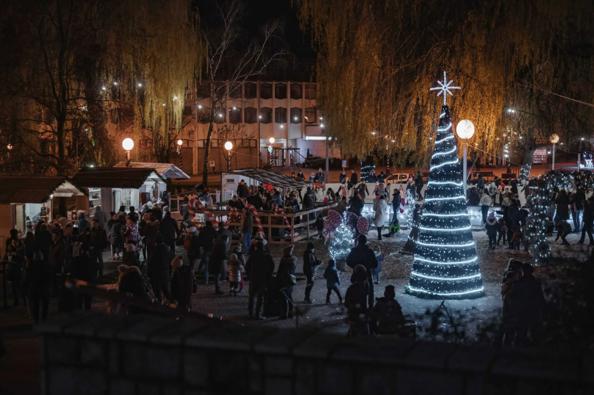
(269, 123)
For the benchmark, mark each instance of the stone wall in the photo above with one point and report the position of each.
(97, 354)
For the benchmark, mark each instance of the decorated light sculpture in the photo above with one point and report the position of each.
(445, 263)
(342, 240)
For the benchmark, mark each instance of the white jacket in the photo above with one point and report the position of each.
(381, 212)
(486, 200)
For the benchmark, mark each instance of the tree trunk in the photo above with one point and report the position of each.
(207, 149)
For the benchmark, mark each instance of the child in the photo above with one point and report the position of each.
(492, 227)
(332, 281)
(320, 226)
(379, 256)
(502, 231)
(234, 272)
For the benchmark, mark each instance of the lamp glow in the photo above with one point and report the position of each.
(228, 145)
(179, 142)
(272, 140)
(128, 144)
(465, 129)
(554, 139)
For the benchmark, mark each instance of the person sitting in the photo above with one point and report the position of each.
(386, 316)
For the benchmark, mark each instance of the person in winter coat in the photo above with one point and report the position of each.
(131, 242)
(332, 281)
(181, 283)
(247, 228)
(380, 207)
(218, 258)
(356, 301)
(485, 203)
(527, 293)
(117, 236)
(386, 316)
(562, 205)
(15, 255)
(101, 217)
(97, 243)
(285, 280)
(206, 239)
(38, 283)
(169, 231)
(259, 269)
(396, 200)
(492, 227)
(361, 254)
(588, 219)
(158, 270)
(234, 273)
(310, 261)
(356, 204)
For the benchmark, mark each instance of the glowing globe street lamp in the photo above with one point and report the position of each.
(465, 131)
(128, 145)
(179, 144)
(228, 147)
(554, 139)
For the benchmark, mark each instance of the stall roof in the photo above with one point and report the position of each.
(34, 189)
(114, 177)
(270, 177)
(165, 170)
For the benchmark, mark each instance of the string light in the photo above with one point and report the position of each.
(445, 261)
(342, 241)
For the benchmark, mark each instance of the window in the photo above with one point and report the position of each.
(266, 90)
(280, 90)
(235, 115)
(219, 115)
(280, 115)
(310, 91)
(310, 115)
(251, 90)
(203, 90)
(296, 90)
(235, 90)
(266, 115)
(250, 115)
(203, 114)
(296, 115)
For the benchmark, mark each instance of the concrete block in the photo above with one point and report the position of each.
(75, 381)
(427, 382)
(276, 386)
(62, 349)
(196, 368)
(93, 352)
(279, 366)
(336, 379)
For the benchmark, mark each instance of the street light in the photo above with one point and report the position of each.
(554, 139)
(272, 140)
(179, 143)
(128, 145)
(465, 131)
(228, 147)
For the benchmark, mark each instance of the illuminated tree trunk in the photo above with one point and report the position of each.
(445, 261)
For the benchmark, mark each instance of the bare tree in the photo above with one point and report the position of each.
(226, 63)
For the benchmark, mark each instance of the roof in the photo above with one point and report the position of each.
(120, 177)
(270, 177)
(165, 170)
(34, 189)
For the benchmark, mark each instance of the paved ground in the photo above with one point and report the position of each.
(23, 346)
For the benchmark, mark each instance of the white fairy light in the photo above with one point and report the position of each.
(445, 129)
(445, 88)
(463, 245)
(456, 184)
(440, 199)
(472, 291)
(449, 230)
(444, 153)
(445, 215)
(453, 162)
(450, 137)
(446, 278)
(464, 262)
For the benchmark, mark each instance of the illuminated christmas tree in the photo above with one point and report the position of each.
(342, 241)
(537, 224)
(445, 261)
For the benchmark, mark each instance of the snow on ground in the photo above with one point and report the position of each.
(395, 271)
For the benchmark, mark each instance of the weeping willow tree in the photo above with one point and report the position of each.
(69, 64)
(377, 59)
(153, 51)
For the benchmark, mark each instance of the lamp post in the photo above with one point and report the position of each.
(579, 155)
(127, 145)
(554, 139)
(228, 147)
(179, 144)
(465, 131)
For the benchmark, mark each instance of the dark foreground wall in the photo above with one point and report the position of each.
(97, 354)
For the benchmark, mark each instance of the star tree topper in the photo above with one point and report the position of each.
(445, 87)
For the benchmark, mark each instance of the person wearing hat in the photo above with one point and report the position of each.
(386, 316)
(361, 254)
(310, 261)
(492, 227)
